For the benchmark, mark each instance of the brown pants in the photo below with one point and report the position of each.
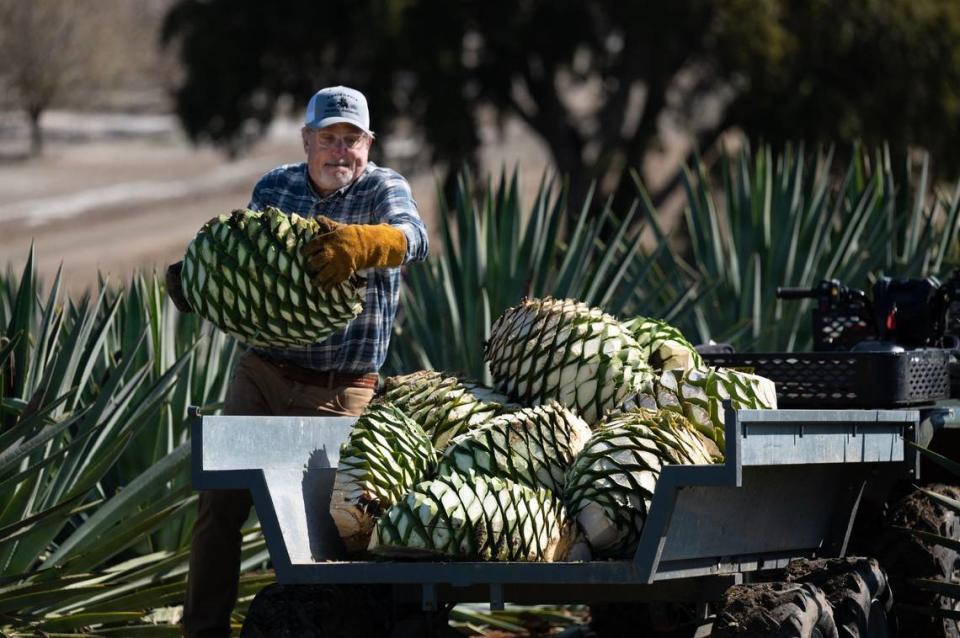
(257, 388)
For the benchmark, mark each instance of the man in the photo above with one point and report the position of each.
(371, 223)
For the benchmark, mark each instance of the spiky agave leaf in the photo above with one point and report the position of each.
(245, 274)
(698, 394)
(96, 513)
(611, 483)
(387, 454)
(443, 405)
(533, 446)
(472, 517)
(543, 349)
(664, 346)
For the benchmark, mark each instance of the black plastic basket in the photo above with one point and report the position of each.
(847, 379)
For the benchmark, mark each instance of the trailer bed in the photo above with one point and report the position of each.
(789, 487)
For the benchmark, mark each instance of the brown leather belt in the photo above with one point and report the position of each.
(322, 378)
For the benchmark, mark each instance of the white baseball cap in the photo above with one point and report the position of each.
(336, 104)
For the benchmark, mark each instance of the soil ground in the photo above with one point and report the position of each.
(118, 193)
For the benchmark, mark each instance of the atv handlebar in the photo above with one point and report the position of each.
(787, 292)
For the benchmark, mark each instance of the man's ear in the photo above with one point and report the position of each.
(303, 136)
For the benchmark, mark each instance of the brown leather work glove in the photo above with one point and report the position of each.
(342, 249)
(175, 288)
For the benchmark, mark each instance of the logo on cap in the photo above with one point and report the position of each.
(342, 104)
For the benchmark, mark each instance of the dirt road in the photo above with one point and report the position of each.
(130, 193)
(117, 193)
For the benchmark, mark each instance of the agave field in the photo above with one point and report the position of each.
(96, 505)
(753, 222)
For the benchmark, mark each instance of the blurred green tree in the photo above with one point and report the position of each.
(598, 80)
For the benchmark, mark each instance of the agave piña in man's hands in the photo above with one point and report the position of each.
(244, 273)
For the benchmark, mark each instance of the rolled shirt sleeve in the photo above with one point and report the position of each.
(395, 206)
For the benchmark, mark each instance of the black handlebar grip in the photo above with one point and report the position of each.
(784, 292)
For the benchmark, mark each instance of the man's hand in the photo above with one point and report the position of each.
(342, 249)
(175, 288)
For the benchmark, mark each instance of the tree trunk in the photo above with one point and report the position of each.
(36, 133)
(579, 176)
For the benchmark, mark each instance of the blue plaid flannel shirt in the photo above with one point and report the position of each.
(379, 195)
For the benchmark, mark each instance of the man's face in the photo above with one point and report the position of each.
(336, 155)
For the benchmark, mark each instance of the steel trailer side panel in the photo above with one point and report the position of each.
(788, 487)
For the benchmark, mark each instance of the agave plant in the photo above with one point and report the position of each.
(493, 253)
(96, 504)
(786, 220)
(772, 220)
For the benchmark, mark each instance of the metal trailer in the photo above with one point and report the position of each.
(790, 487)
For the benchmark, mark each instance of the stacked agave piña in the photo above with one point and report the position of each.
(533, 482)
(442, 405)
(610, 485)
(501, 481)
(468, 516)
(532, 446)
(489, 395)
(664, 347)
(698, 394)
(386, 455)
(244, 273)
(563, 349)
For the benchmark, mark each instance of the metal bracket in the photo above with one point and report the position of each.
(702, 610)
(496, 597)
(706, 622)
(429, 597)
